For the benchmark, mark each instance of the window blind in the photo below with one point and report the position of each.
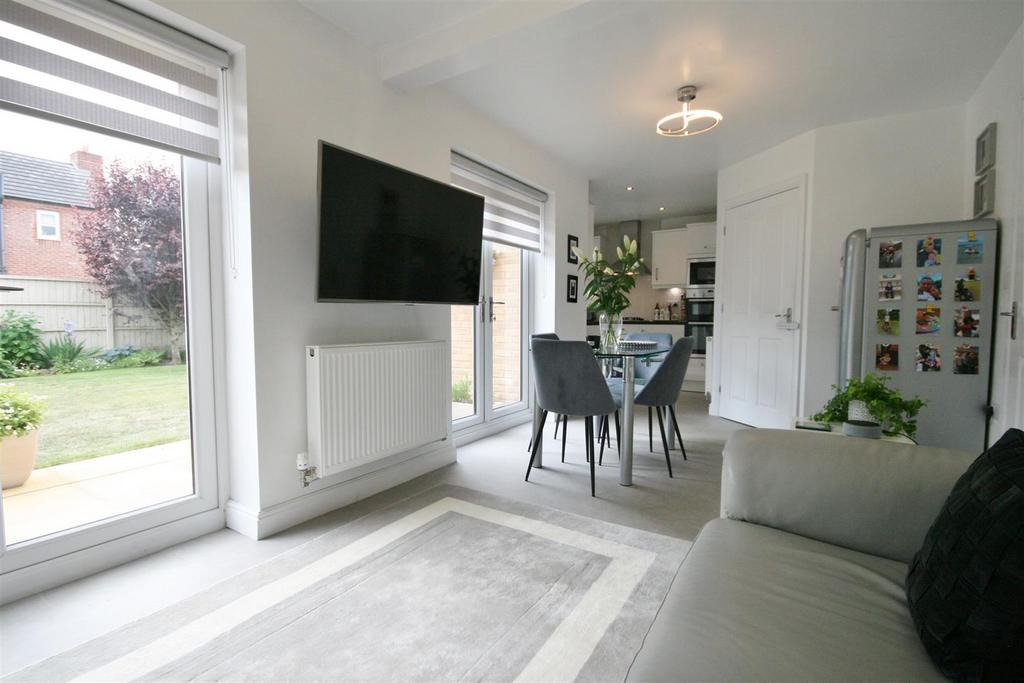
(513, 211)
(72, 68)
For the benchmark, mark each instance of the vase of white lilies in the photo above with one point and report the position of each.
(608, 286)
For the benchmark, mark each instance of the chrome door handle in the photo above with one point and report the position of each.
(493, 302)
(1012, 315)
(788, 315)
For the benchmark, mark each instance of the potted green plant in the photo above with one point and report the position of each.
(608, 286)
(896, 414)
(20, 416)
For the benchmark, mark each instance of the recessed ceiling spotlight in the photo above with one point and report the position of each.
(629, 188)
(688, 122)
(661, 208)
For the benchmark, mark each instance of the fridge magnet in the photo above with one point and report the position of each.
(890, 287)
(968, 288)
(928, 321)
(966, 322)
(929, 287)
(888, 321)
(571, 287)
(929, 252)
(574, 243)
(928, 358)
(965, 359)
(969, 249)
(887, 357)
(890, 254)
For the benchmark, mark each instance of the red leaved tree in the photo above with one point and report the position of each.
(131, 243)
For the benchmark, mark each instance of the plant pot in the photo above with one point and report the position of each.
(18, 458)
(610, 329)
(858, 411)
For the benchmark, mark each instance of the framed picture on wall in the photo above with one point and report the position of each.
(985, 149)
(573, 242)
(571, 289)
(985, 194)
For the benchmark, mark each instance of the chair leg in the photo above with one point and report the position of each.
(618, 435)
(650, 429)
(603, 439)
(590, 446)
(675, 423)
(558, 418)
(565, 428)
(664, 442)
(536, 442)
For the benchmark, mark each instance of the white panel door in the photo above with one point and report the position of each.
(759, 289)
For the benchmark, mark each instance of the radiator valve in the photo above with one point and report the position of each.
(307, 472)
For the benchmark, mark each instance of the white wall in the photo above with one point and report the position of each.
(306, 81)
(1000, 98)
(905, 168)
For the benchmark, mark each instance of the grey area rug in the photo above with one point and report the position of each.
(449, 585)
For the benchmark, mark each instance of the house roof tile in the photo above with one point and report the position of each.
(42, 180)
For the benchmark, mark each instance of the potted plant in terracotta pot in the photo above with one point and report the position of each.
(19, 430)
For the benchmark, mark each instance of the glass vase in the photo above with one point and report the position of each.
(610, 326)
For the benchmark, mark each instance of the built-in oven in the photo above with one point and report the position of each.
(700, 309)
(700, 333)
(701, 272)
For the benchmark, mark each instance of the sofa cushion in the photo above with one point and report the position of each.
(966, 584)
(751, 603)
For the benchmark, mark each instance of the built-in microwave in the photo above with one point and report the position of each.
(701, 272)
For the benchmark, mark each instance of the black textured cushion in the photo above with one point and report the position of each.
(965, 586)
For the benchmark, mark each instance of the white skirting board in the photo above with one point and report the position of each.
(320, 501)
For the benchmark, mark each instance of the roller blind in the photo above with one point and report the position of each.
(71, 67)
(513, 211)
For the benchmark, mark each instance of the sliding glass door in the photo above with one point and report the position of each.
(489, 345)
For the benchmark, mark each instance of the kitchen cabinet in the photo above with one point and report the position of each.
(701, 239)
(668, 258)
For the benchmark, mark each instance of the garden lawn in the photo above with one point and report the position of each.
(89, 414)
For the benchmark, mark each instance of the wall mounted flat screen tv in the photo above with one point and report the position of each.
(391, 235)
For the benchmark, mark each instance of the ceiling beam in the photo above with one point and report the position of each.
(507, 28)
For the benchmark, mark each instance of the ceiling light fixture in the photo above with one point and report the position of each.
(629, 188)
(661, 208)
(688, 122)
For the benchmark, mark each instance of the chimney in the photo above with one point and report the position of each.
(87, 161)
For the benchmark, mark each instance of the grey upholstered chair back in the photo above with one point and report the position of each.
(568, 379)
(543, 335)
(645, 371)
(664, 387)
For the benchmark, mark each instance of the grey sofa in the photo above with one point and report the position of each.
(801, 579)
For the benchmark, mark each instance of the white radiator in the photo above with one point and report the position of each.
(366, 402)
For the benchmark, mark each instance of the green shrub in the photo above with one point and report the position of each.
(67, 367)
(139, 359)
(21, 339)
(65, 350)
(7, 369)
(18, 413)
(119, 352)
(462, 391)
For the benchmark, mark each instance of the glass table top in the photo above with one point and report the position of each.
(631, 353)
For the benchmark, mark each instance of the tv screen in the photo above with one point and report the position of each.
(391, 235)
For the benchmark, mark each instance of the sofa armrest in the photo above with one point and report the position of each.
(874, 496)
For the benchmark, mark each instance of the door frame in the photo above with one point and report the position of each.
(488, 420)
(798, 183)
(35, 564)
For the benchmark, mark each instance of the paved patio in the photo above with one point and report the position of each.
(66, 496)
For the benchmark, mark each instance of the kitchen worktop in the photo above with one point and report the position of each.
(647, 322)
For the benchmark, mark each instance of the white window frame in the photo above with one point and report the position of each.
(40, 213)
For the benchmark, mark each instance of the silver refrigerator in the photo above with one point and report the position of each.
(918, 306)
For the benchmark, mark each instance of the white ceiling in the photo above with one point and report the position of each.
(591, 95)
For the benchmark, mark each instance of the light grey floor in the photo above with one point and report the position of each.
(51, 622)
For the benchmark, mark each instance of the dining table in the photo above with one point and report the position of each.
(628, 354)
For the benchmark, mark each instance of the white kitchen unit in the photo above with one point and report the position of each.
(668, 258)
(696, 371)
(701, 239)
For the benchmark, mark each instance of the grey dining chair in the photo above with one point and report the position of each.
(643, 372)
(569, 382)
(558, 418)
(661, 391)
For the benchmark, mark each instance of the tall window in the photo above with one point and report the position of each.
(110, 148)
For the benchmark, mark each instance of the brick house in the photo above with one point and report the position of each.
(41, 202)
